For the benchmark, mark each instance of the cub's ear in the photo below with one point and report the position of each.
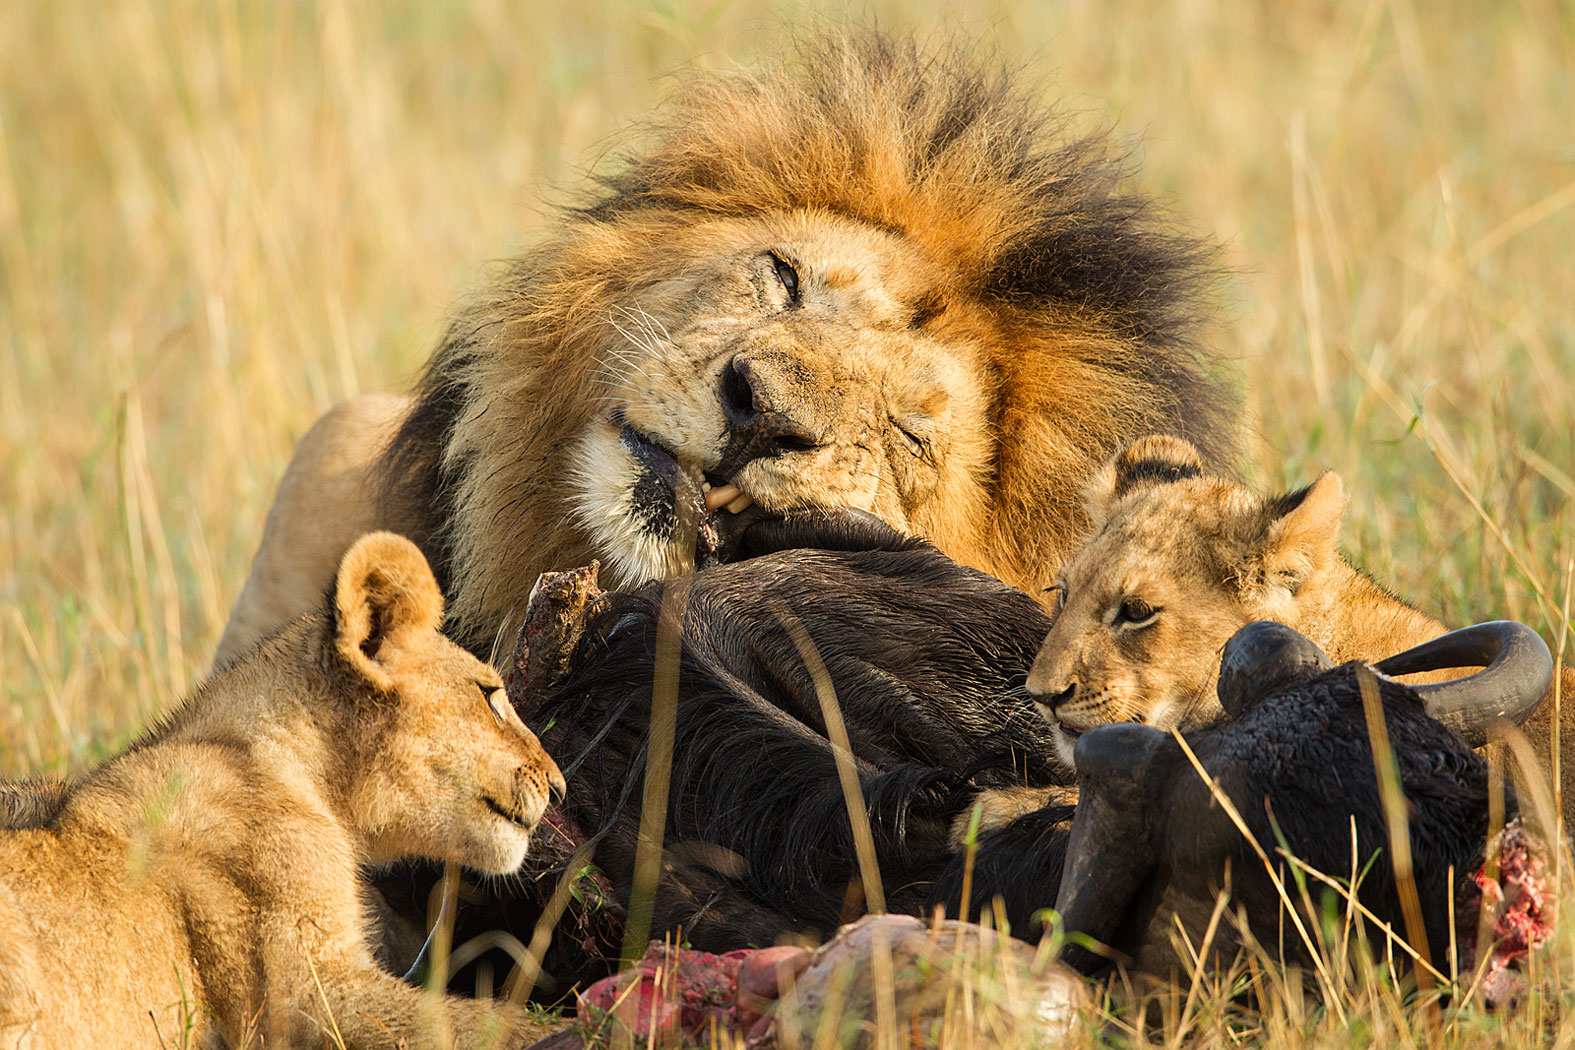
(1156, 459)
(1301, 531)
(384, 588)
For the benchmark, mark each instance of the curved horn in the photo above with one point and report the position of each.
(1259, 659)
(1517, 670)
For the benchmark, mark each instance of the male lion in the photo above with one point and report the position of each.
(1180, 560)
(880, 279)
(208, 876)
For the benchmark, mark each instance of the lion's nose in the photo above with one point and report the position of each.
(756, 396)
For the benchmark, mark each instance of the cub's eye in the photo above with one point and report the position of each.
(1057, 592)
(492, 696)
(1134, 612)
(787, 273)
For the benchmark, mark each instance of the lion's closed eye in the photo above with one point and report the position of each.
(914, 442)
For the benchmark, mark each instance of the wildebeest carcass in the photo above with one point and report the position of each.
(1151, 840)
(927, 661)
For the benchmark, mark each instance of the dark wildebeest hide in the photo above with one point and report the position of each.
(1295, 757)
(927, 660)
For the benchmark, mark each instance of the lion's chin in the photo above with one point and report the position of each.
(649, 515)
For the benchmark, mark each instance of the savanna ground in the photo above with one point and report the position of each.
(216, 220)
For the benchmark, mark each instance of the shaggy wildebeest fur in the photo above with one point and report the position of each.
(1014, 871)
(927, 660)
(1295, 756)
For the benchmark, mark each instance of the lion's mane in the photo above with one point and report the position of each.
(1084, 294)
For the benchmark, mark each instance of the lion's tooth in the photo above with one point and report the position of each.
(741, 504)
(721, 496)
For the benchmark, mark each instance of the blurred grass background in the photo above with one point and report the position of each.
(216, 219)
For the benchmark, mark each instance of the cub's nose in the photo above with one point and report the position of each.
(1052, 702)
(763, 400)
(557, 789)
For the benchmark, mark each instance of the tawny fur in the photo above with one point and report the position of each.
(984, 312)
(208, 876)
(1207, 557)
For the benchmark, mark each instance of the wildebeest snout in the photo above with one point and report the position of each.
(1113, 874)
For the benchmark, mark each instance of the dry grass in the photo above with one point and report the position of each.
(215, 220)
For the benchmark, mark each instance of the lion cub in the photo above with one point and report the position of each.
(201, 888)
(1177, 562)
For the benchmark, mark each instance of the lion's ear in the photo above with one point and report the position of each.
(1156, 459)
(1302, 531)
(384, 588)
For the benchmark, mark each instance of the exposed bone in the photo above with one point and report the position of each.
(1011, 995)
(560, 605)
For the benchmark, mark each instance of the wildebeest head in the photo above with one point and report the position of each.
(1295, 757)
